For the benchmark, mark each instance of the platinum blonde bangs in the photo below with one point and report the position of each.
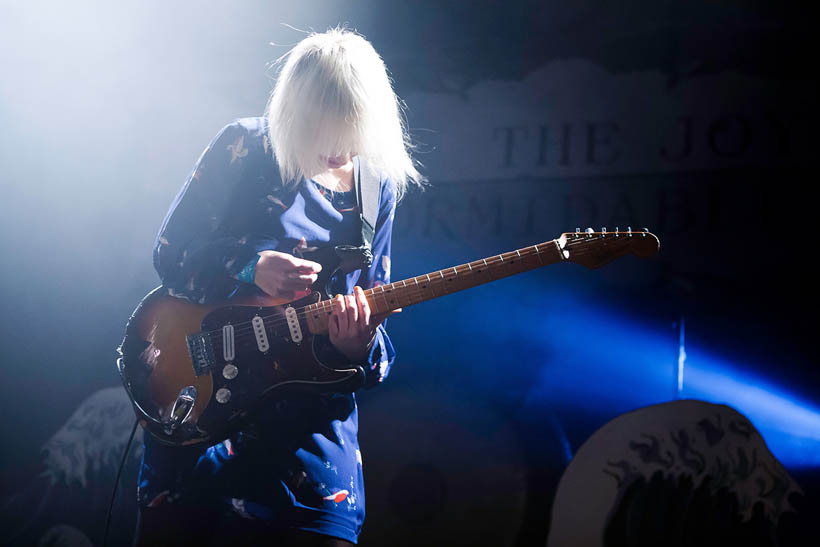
(332, 97)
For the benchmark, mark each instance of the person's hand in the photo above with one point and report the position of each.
(352, 327)
(284, 276)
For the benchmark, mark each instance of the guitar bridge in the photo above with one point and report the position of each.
(202, 353)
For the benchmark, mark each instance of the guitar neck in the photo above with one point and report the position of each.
(407, 292)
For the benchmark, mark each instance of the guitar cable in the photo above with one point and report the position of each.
(117, 481)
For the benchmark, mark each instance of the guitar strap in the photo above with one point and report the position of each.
(367, 197)
(367, 182)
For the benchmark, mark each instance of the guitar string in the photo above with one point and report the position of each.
(279, 328)
(412, 291)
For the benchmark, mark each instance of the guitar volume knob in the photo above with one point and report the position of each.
(230, 371)
(223, 395)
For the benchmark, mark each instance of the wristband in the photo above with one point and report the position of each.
(247, 273)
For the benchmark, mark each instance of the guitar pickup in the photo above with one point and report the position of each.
(202, 353)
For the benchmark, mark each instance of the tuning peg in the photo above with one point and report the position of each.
(629, 231)
(645, 231)
(616, 231)
(589, 232)
(603, 231)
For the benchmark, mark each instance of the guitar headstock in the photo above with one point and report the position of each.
(594, 249)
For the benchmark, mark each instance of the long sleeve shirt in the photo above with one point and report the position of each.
(298, 464)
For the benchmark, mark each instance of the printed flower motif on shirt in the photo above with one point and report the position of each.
(384, 366)
(302, 247)
(337, 497)
(228, 446)
(238, 506)
(277, 201)
(238, 149)
(159, 499)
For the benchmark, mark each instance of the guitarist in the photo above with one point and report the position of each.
(263, 202)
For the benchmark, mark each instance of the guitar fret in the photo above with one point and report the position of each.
(391, 299)
(429, 286)
(478, 271)
(419, 296)
(538, 253)
(443, 281)
(487, 268)
(398, 293)
(384, 298)
(403, 294)
(530, 258)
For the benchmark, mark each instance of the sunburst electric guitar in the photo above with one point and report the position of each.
(195, 373)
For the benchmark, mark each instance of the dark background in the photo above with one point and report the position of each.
(105, 107)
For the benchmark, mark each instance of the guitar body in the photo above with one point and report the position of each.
(195, 373)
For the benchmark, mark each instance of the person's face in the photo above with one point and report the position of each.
(335, 162)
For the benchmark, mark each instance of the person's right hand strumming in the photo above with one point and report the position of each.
(284, 276)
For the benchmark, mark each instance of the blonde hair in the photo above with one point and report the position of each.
(333, 97)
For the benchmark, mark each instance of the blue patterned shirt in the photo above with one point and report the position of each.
(298, 465)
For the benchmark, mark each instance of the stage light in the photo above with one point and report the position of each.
(610, 362)
(790, 426)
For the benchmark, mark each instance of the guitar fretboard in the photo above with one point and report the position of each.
(407, 292)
